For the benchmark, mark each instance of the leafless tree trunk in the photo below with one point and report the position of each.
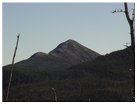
(8, 89)
(131, 25)
(131, 22)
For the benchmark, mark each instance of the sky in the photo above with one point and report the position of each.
(42, 26)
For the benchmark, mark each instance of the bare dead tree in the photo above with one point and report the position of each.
(131, 22)
(9, 84)
(131, 25)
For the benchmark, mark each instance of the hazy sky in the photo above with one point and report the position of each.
(44, 25)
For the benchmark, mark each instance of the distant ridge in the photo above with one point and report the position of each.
(66, 54)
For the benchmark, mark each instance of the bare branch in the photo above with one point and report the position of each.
(8, 89)
(117, 10)
(114, 11)
(126, 45)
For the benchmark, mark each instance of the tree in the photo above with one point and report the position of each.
(131, 22)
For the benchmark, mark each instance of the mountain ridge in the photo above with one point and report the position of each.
(71, 55)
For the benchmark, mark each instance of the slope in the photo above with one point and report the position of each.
(116, 65)
(107, 78)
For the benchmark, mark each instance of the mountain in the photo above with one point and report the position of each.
(39, 64)
(106, 78)
(63, 56)
(73, 52)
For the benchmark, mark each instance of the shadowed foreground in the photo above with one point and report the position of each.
(107, 78)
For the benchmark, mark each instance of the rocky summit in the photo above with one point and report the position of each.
(73, 52)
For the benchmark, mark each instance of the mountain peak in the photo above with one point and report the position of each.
(74, 52)
(70, 41)
(38, 54)
(67, 44)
